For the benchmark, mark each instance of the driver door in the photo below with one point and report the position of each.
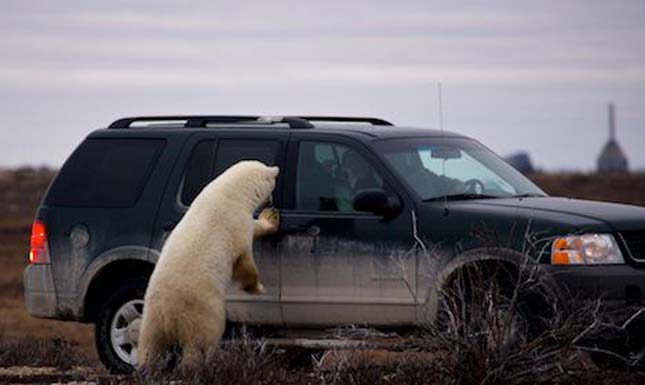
(341, 266)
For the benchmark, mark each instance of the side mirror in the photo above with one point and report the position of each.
(376, 201)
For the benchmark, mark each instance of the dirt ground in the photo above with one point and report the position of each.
(20, 192)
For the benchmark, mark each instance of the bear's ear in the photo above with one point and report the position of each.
(275, 170)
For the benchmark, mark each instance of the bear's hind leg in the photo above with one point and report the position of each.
(152, 348)
(193, 356)
(197, 344)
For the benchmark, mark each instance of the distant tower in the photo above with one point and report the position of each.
(521, 161)
(612, 159)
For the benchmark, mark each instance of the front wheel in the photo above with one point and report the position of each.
(117, 327)
(487, 305)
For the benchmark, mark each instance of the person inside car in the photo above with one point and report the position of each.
(356, 174)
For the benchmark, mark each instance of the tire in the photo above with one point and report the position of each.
(117, 325)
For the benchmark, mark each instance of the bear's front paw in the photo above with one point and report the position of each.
(256, 289)
(270, 219)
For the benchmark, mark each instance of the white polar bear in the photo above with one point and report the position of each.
(184, 304)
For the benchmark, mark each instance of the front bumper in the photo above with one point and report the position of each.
(619, 288)
(40, 294)
(618, 285)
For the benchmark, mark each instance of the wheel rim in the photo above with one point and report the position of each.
(124, 330)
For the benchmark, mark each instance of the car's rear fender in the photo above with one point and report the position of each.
(118, 264)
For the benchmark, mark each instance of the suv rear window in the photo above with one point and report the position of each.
(105, 173)
(205, 163)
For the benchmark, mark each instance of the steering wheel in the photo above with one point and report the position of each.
(474, 186)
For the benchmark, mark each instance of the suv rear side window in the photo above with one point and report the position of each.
(198, 171)
(231, 151)
(210, 158)
(106, 173)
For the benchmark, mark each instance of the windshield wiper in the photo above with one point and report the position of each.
(529, 195)
(461, 197)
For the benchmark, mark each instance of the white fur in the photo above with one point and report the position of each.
(184, 303)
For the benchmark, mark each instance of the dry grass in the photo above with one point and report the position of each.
(57, 353)
(252, 362)
(20, 192)
(628, 188)
(247, 360)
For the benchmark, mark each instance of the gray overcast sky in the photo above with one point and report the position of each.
(533, 75)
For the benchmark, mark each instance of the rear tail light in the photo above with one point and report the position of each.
(39, 251)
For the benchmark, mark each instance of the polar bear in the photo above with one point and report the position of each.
(184, 303)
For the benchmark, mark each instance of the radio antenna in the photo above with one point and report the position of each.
(440, 107)
(443, 161)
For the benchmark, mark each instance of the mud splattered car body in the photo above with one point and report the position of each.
(372, 216)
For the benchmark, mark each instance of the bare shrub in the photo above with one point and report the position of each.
(243, 360)
(502, 325)
(363, 369)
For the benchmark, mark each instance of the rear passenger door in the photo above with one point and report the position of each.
(341, 266)
(205, 157)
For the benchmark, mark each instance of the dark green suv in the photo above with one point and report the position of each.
(362, 203)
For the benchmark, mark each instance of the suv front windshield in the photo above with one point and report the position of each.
(455, 168)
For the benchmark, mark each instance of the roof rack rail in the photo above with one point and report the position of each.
(194, 121)
(347, 119)
(204, 120)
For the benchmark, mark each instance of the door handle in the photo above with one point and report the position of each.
(294, 229)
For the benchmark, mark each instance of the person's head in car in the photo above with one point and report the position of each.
(356, 171)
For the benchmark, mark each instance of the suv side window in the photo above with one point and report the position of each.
(106, 173)
(231, 151)
(330, 175)
(198, 171)
(210, 158)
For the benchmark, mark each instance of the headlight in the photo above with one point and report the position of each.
(586, 249)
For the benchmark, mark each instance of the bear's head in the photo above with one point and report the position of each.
(252, 181)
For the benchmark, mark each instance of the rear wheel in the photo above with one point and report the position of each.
(117, 327)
